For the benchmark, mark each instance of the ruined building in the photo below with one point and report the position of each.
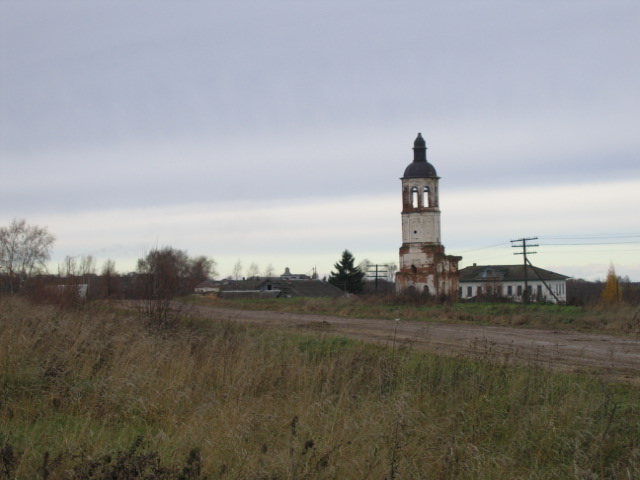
(424, 267)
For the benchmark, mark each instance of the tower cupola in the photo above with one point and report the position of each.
(420, 168)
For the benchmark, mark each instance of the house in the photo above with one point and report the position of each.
(260, 287)
(309, 288)
(207, 286)
(508, 281)
(287, 275)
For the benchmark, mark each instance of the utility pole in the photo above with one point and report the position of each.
(379, 272)
(522, 243)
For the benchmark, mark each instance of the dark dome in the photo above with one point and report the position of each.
(420, 170)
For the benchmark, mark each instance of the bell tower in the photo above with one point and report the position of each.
(424, 266)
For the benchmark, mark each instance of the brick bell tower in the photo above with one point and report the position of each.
(424, 266)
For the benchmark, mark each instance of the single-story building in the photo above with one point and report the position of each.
(277, 287)
(208, 286)
(508, 281)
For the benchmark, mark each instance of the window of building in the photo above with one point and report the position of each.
(469, 292)
(425, 197)
(519, 290)
(414, 197)
(510, 290)
(479, 291)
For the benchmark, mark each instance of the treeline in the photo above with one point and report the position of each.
(584, 292)
(161, 274)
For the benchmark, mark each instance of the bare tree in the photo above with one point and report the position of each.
(237, 270)
(392, 268)
(253, 270)
(161, 271)
(201, 268)
(87, 264)
(110, 278)
(24, 251)
(109, 268)
(269, 271)
(77, 266)
(166, 273)
(364, 265)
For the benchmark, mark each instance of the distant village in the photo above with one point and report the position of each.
(424, 270)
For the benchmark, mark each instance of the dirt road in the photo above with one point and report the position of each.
(609, 356)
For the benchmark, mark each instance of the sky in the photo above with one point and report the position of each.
(275, 132)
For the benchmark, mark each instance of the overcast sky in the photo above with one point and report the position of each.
(276, 131)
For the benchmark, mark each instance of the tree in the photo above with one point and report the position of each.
(24, 251)
(237, 270)
(162, 273)
(269, 271)
(253, 270)
(77, 266)
(109, 268)
(201, 268)
(110, 277)
(392, 268)
(171, 272)
(348, 277)
(612, 292)
(364, 265)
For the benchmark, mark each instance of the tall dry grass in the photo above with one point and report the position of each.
(221, 400)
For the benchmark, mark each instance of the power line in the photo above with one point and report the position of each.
(582, 252)
(502, 244)
(592, 243)
(592, 235)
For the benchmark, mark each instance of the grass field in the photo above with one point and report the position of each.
(93, 392)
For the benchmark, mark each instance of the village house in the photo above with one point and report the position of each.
(508, 281)
(208, 286)
(286, 285)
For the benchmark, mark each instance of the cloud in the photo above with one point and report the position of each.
(312, 232)
(281, 129)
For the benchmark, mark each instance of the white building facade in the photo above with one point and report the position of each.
(512, 282)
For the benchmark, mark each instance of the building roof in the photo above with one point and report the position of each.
(310, 288)
(419, 168)
(208, 284)
(282, 287)
(506, 273)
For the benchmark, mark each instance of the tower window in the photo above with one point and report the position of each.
(425, 197)
(414, 197)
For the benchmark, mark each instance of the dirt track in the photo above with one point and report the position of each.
(609, 356)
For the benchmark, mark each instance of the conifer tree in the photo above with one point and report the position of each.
(348, 277)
